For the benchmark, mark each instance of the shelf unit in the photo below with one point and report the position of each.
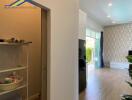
(15, 69)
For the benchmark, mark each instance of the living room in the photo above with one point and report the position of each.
(112, 19)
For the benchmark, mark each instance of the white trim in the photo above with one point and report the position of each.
(119, 65)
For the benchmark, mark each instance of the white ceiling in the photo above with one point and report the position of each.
(120, 11)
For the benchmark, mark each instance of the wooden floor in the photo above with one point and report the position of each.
(106, 84)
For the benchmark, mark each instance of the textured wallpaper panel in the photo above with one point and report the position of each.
(117, 42)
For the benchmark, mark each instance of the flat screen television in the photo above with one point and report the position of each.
(130, 52)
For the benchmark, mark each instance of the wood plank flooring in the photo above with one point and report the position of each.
(106, 84)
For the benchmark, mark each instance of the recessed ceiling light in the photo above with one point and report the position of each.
(110, 4)
(109, 16)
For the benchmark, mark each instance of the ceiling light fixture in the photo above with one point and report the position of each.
(110, 4)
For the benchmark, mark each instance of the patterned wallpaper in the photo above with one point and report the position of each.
(117, 42)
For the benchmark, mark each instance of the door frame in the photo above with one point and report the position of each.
(45, 46)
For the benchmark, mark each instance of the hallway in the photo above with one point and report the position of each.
(106, 84)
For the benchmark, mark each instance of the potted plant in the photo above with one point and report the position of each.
(129, 97)
(129, 58)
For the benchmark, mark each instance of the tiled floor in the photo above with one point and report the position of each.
(106, 84)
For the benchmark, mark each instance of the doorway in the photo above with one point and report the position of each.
(93, 49)
(30, 23)
(90, 53)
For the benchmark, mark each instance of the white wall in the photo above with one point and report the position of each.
(86, 22)
(82, 24)
(64, 49)
(94, 25)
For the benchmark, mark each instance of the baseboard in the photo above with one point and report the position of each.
(119, 65)
(35, 96)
